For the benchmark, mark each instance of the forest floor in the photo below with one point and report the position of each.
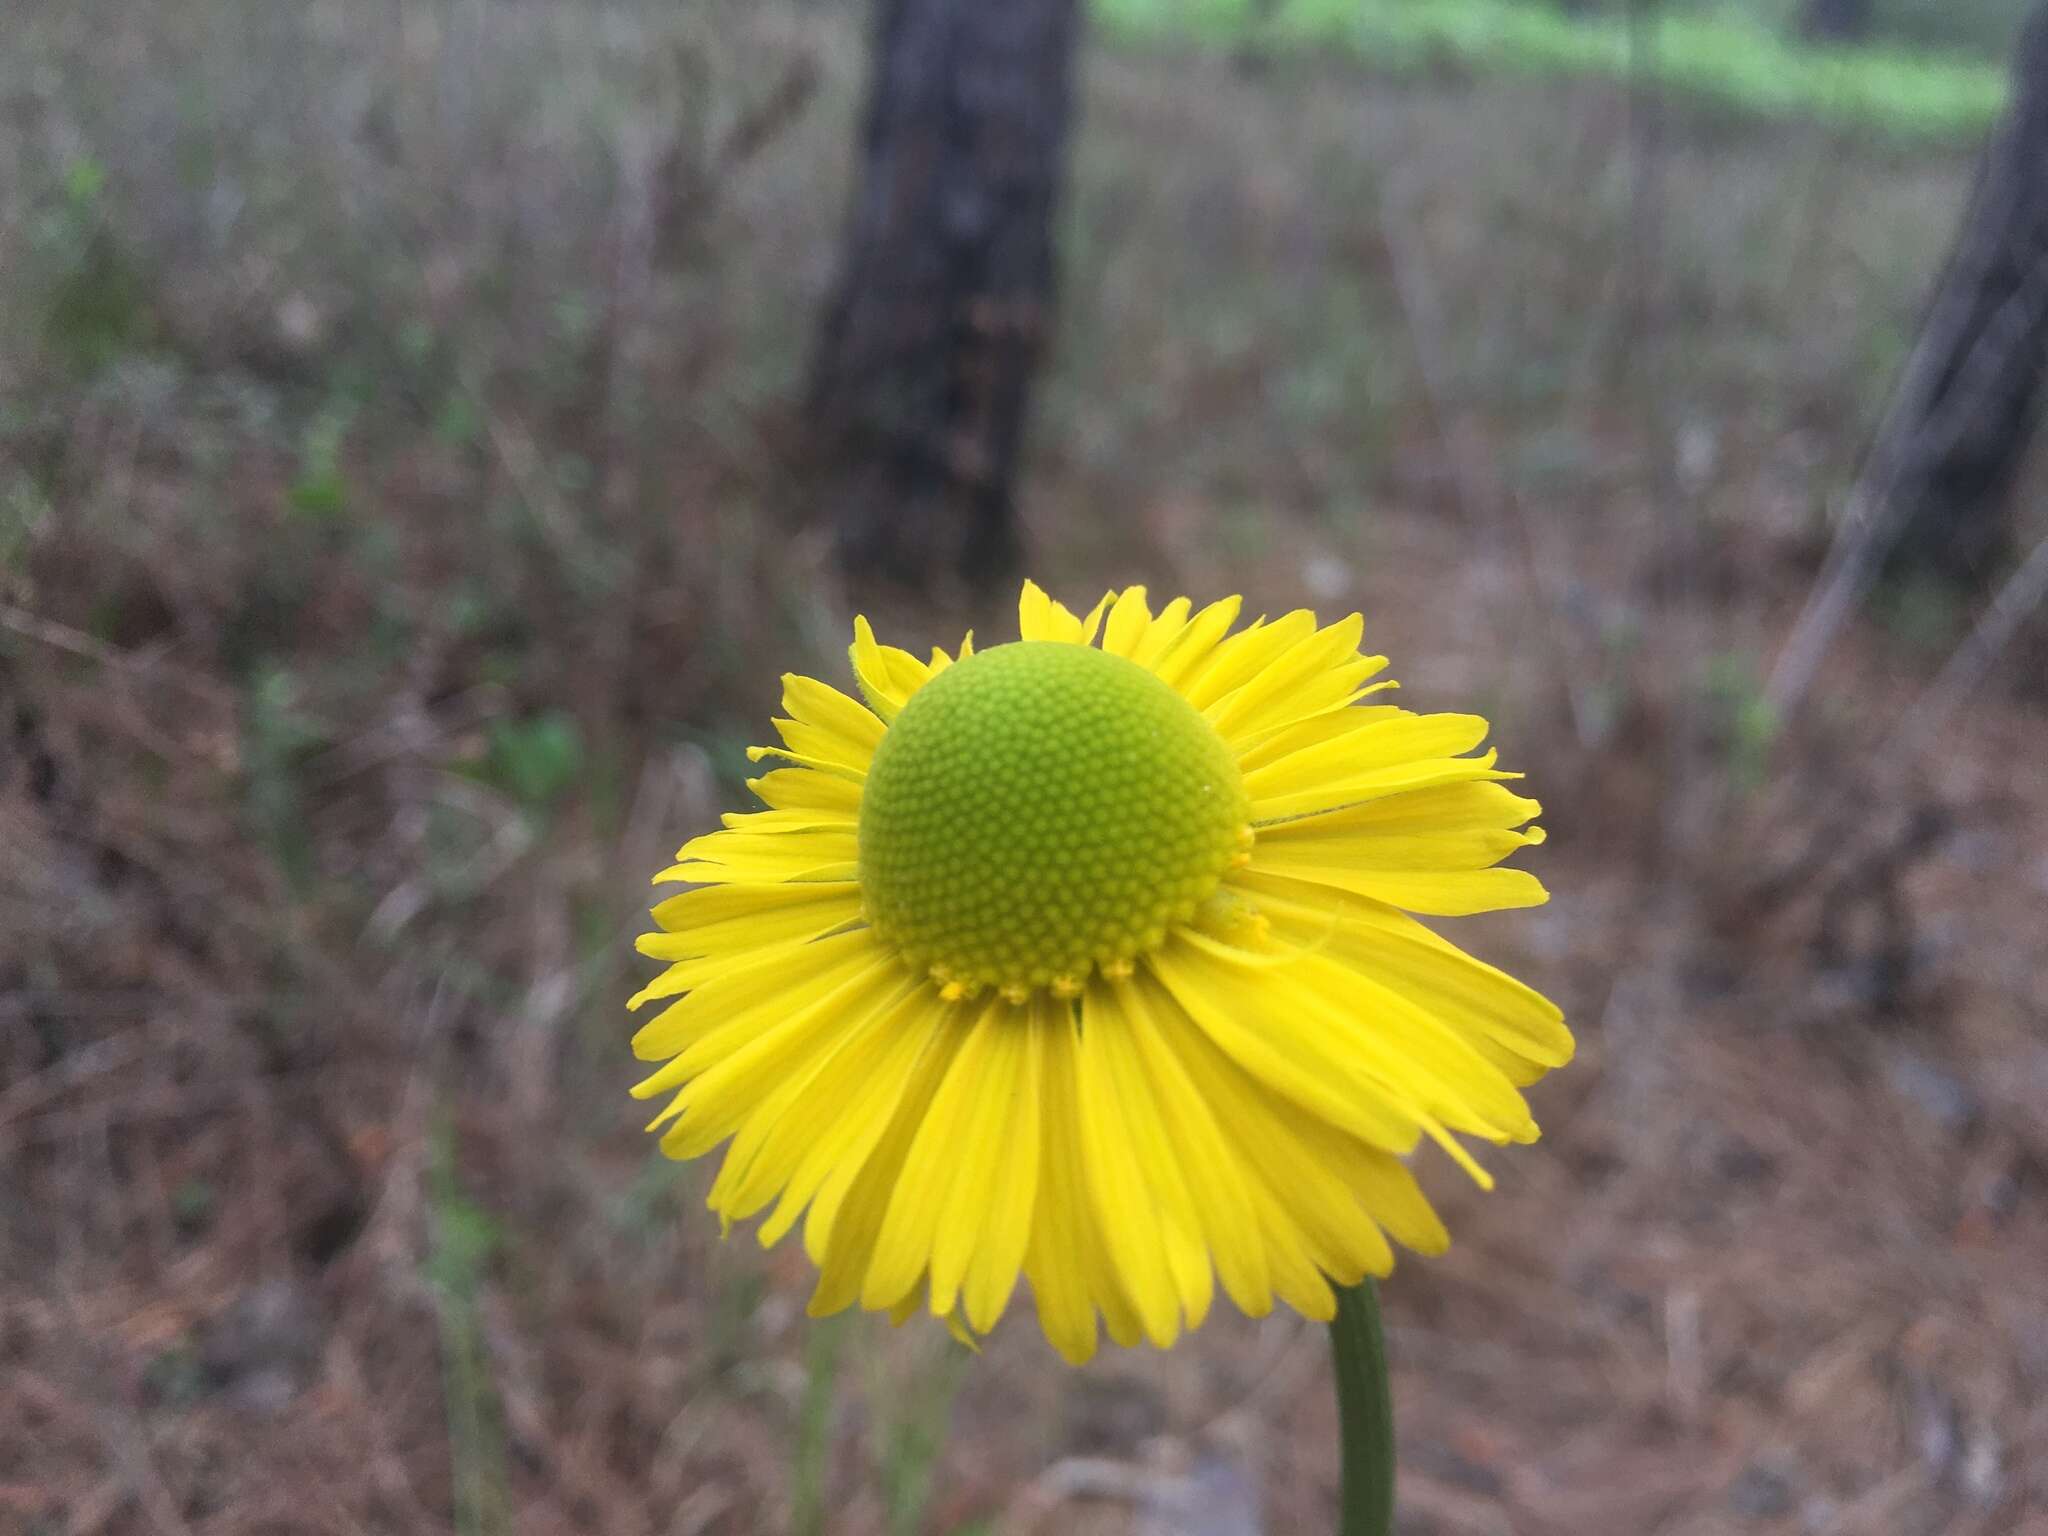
(397, 553)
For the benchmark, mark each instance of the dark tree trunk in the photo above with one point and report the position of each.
(1957, 434)
(924, 363)
(1836, 21)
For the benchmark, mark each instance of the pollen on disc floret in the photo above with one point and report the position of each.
(1039, 810)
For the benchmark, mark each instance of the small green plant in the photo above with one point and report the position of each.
(738, 1289)
(1744, 723)
(176, 1376)
(192, 1206)
(650, 1201)
(24, 511)
(98, 306)
(320, 493)
(459, 422)
(1923, 613)
(464, 1238)
(277, 735)
(535, 759)
(912, 1441)
(827, 1342)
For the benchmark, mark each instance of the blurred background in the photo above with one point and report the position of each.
(428, 428)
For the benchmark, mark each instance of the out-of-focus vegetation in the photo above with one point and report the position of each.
(1985, 28)
(1730, 57)
(1981, 28)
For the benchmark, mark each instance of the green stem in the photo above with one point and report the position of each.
(1365, 1411)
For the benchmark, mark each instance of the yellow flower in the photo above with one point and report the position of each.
(1090, 958)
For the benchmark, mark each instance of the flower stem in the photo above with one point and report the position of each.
(1365, 1411)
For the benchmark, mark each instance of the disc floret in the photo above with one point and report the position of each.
(1041, 810)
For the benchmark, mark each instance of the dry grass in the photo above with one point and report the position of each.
(395, 563)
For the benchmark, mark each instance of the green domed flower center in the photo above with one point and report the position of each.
(1041, 809)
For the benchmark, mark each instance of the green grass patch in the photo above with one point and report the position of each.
(1722, 58)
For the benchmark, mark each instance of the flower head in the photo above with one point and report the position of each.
(1089, 957)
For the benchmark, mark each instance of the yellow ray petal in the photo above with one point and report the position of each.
(766, 978)
(1338, 791)
(1235, 1011)
(1389, 1191)
(1296, 1279)
(816, 746)
(1129, 617)
(1404, 1046)
(1091, 625)
(805, 789)
(1336, 688)
(1068, 1265)
(1174, 656)
(718, 1037)
(920, 1206)
(1315, 729)
(830, 1113)
(819, 842)
(1374, 745)
(756, 857)
(855, 728)
(982, 1239)
(1305, 1198)
(1320, 671)
(1380, 1181)
(713, 909)
(1435, 893)
(811, 760)
(1159, 635)
(749, 965)
(1387, 1050)
(1490, 1007)
(887, 676)
(1040, 618)
(733, 1069)
(721, 926)
(941, 1033)
(782, 823)
(1447, 826)
(1243, 655)
(1133, 1091)
(1428, 850)
(846, 1217)
(1219, 1201)
(1134, 1229)
(842, 1115)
